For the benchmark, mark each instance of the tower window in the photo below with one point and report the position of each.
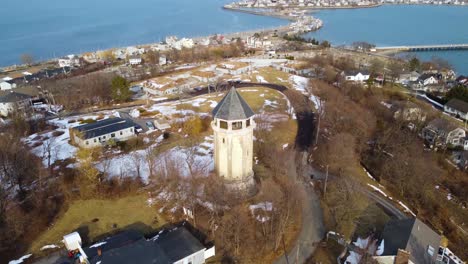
(236, 125)
(223, 140)
(248, 122)
(223, 124)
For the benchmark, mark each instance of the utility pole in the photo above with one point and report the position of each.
(319, 113)
(325, 185)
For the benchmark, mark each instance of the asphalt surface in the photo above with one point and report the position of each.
(381, 201)
(312, 231)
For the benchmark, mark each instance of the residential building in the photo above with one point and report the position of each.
(233, 68)
(161, 124)
(356, 76)
(412, 236)
(7, 85)
(462, 80)
(294, 67)
(102, 132)
(204, 76)
(167, 85)
(12, 102)
(457, 108)
(442, 133)
(406, 78)
(69, 61)
(135, 60)
(427, 79)
(175, 245)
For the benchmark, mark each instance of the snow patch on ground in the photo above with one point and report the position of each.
(406, 208)
(49, 247)
(98, 244)
(261, 79)
(299, 83)
(134, 163)
(377, 190)
(265, 206)
(20, 260)
(368, 174)
(317, 102)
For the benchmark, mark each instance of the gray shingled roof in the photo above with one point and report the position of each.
(167, 247)
(232, 107)
(413, 236)
(104, 127)
(458, 104)
(14, 97)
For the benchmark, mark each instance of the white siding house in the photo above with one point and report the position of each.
(7, 85)
(101, 132)
(357, 76)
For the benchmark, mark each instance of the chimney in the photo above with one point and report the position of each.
(402, 257)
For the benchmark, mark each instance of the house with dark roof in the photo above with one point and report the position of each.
(7, 85)
(12, 102)
(177, 245)
(102, 132)
(412, 237)
(441, 132)
(457, 108)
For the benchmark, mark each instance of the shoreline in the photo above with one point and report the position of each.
(281, 29)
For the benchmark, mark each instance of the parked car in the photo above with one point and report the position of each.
(138, 129)
(150, 125)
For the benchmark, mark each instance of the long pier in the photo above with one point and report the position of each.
(424, 47)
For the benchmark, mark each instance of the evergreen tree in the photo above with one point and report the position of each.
(120, 89)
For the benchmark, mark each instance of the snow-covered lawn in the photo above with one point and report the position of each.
(299, 83)
(198, 158)
(58, 146)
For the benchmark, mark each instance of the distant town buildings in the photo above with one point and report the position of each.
(69, 61)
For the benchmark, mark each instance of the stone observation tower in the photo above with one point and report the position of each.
(233, 127)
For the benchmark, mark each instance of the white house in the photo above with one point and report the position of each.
(13, 102)
(69, 61)
(102, 132)
(357, 76)
(7, 85)
(409, 77)
(162, 60)
(441, 133)
(457, 108)
(135, 60)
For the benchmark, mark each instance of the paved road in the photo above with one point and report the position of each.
(385, 204)
(312, 230)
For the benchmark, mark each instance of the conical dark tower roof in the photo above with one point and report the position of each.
(232, 107)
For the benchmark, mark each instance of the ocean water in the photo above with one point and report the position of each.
(394, 25)
(53, 28)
